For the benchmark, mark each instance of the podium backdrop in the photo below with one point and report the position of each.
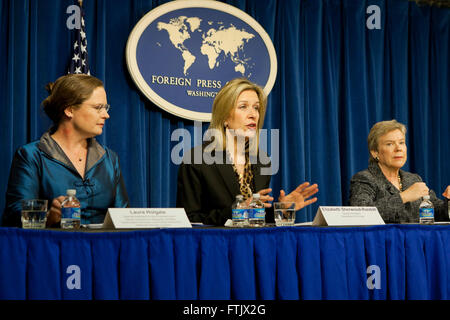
(338, 74)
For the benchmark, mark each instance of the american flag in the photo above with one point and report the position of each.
(80, 62)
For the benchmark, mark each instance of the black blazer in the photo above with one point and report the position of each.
(371, 188)
(207, 191)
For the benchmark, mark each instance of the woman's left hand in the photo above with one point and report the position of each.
(54, 214)
(300, 195)
(446, 193)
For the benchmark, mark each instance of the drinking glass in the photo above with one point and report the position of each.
(34, 214)
(284, 213)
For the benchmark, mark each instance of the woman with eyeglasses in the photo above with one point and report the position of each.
(68, 156)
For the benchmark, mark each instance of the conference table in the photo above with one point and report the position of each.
(398, 261)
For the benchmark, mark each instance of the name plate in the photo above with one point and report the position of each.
(347, 216)
(146, 218)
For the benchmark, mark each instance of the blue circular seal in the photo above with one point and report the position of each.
(181, 53)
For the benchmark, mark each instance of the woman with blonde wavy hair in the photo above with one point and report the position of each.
(206, 190)
(222, 109)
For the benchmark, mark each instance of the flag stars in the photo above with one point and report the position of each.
(79, 63)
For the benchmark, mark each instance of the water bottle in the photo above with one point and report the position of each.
(426, 211)
(70, 211)
(239, 212)
(257, 212)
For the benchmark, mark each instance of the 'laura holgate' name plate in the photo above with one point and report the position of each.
(347, 216)
(145, 218)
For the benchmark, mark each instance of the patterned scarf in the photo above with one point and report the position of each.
(245, 180)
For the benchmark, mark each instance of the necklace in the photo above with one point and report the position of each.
(400, 182)
(82, 155)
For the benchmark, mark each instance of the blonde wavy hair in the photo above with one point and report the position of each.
(224, 105)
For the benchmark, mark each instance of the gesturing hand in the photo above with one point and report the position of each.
(264, 197)
(446, 193)
(300, 195)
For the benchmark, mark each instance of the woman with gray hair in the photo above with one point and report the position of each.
(396, 193)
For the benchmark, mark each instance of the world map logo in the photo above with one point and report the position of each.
(181, 53)
(226, 41)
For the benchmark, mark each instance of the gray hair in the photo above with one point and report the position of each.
(378, 130)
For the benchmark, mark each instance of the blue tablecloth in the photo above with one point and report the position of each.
(267, 263)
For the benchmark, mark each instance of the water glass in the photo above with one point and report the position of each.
(34, 214)
(284, 213)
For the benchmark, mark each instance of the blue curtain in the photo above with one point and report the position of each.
(336, 78)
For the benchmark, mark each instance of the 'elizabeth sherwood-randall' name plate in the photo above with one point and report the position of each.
(347, 216)
(145, 218)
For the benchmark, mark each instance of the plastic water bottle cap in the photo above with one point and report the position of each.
(71, 192)
(256, 195)
(427, 197)
(240, 197)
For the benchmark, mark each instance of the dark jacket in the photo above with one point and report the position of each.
(370, 187)
(207, 191)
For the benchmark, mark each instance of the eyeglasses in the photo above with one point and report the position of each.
(99, 107)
